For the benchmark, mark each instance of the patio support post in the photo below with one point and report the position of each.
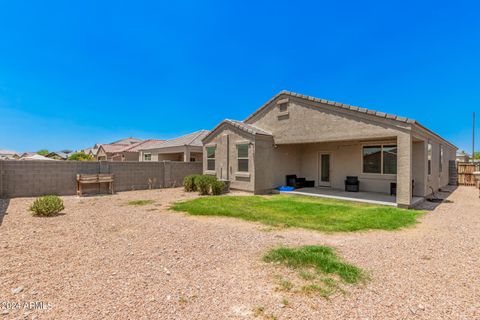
(186, 154)
(404, 170)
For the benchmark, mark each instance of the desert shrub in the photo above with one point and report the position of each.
(47, 206)
(80, 156)
(204, 184)
(189, 183)
(217, 187)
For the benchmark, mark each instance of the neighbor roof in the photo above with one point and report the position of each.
(130, 140)
(112, 148)
(193, 139)
(347, 107)
(143, 144)
(9, 152)
(249, 128)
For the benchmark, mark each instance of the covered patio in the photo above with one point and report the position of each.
(361, 196)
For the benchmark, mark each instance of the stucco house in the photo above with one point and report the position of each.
(132, 152)
(187, 148)
(326, 141)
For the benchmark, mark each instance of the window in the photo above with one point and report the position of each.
(390, 159)
(381, 159)
(372, 159)
(147, 157)
(283, 107)
(211, 158)
(440, 165)
(242, 150)
(429, 159)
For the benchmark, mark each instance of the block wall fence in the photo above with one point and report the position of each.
(36, 178)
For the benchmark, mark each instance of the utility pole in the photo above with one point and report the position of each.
(473, 139)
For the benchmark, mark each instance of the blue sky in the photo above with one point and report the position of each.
(74, 73)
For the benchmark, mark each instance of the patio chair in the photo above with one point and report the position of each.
(352, 184)
(297, 183)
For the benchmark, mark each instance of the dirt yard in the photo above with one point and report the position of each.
(104, 259)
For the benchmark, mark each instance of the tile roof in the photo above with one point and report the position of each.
(143, 144)
(129, 140)
(242, 126)
(193, 139)
(7, 152)
(112, 148)
(335, 104)
(348, 107)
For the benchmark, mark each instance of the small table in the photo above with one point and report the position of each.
(94, 179)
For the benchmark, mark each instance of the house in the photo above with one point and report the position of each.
(106, 155)
(35, 156)
(131, 152)
(8, 154)
(462, 157)
(106, 152)
(187, 148)
(59, 155)
(326, 141)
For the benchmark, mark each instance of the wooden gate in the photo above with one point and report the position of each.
(465, 173)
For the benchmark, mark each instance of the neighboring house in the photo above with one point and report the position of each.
(462, 157)
(107, 151)
(8, 154)
(35, 157)
(186, 148)
(132, 152)
(59, 155)
(123, 142)
(327, 141)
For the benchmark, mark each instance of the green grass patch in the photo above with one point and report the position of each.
(304, 212)
(320, 269)
(140, 202)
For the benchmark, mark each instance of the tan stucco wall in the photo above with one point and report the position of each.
(226, 158)
(314, 122)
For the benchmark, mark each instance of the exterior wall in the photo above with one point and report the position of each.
(308, 122)
(36, 178)
(272, 164)
(226, 158)
(172, 154)
(345, 160)
(101, 155)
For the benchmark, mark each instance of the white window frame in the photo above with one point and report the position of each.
(214, 157)
(243, 158)
(145, 157)
(381, 145)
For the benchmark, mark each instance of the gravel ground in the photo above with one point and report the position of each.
(104, 259)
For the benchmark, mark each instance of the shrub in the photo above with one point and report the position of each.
(204, 184)
(189, 183)
(218, 187)
(80, 156)
(47, 206)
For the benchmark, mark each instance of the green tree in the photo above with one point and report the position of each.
(477, 155)
(80, 156)
(43, 152)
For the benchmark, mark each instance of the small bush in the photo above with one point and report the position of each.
(190, 183)
(218, 187)
(140, 202)
(47, 206)
(204, 184)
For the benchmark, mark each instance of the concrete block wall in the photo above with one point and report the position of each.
(36, 178)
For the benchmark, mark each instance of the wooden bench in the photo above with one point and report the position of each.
(94, 179)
